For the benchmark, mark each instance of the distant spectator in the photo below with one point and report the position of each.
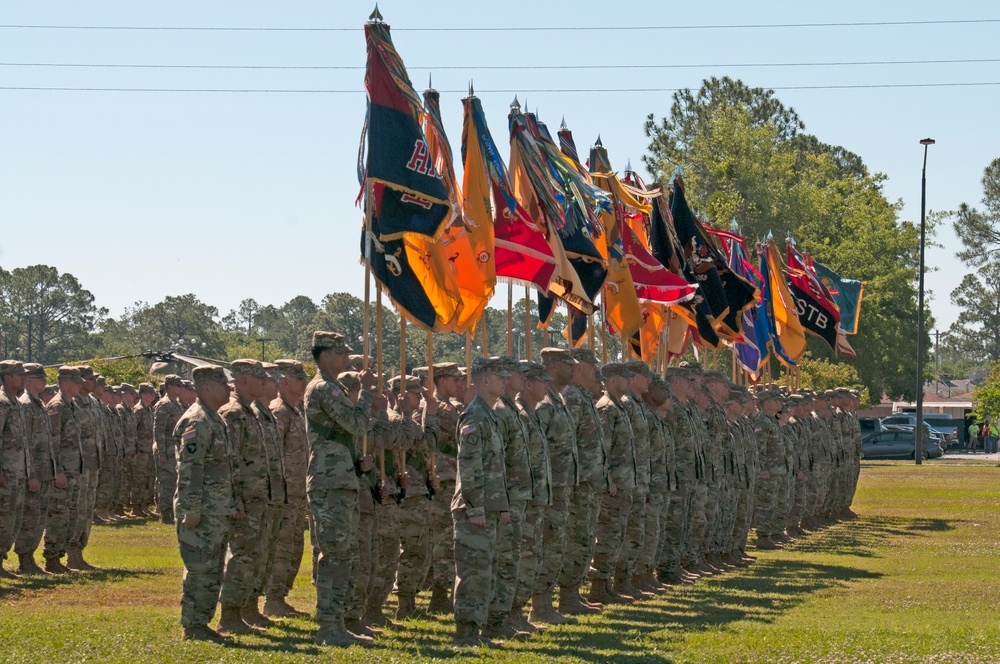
(991, 438)
(973, 440)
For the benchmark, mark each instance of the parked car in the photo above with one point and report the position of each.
(896, 444)
(949, 426)
(949, 434)
(868, 425)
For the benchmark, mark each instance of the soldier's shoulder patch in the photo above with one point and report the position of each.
(53, 410)
(190, 439)
(336, 391)
(758, 429)
(468, 429)
(191, 447)
(280, 423)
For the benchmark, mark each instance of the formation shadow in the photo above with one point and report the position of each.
(865, 536)
(11, 589)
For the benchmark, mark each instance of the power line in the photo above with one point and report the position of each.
(96, 65)
(873, 86)
(554, 28)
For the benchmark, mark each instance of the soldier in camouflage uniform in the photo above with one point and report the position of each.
(635, 532)
(332, 423)
(38, 436)
(852, 401)
(415, 510)
(91, 420)
(585, 505)
(802, 465)
(381, 437)
(277, 496)
(449, 385)
(126, 413)
(245, 541)
(770, 479)
(144, 467)
(110, 475)
(290, 541)
(689, 470)
(480, 502)
(560, 429)
(206, 502)
(616, 504)
(717, 450)
(517, 471)
(166, 412)
(17, 468)
(536, 386)
(64, 501)
(743, 474)
(661, 484)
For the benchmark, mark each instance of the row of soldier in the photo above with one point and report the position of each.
(609, 476)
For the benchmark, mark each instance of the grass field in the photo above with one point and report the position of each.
(916, 578)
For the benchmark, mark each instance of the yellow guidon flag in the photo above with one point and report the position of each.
(784, 312)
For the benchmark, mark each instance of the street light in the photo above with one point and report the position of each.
(262, 340)
(918, 430)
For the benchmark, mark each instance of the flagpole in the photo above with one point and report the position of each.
(468, 358)
(402, 394)
(604, 332)
(381, 376)
(366, 322)
(510, 320)
(483, 324)
(527, 323)
(430, 393)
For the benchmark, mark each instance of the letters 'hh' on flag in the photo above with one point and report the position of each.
(414, 199)
(847, 293)
(782, 307)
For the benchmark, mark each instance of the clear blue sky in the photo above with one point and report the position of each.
(143, 195)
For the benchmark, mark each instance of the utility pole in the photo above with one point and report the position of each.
(262, 341)
(918, 430)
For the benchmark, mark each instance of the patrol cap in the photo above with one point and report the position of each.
(70, 373)
(34, 370)
(357, 362)
(617, 369)
(443, 369)
(657, 381)
(330, 341)
(583, 355)
(639, 368)
(203, 375)
(715, 375)
(86, 372)
(737, 394)
(551, 354)
(291, 368)
(187, 385)
(246, 367)
(410, 383)
(511, 364)
(680, 372)
(11, 368)
(100, 380)
(350, 380)
(147, 387)
(692, 365)
(172, 380)
(271, 370)
(769, 395)
(485, 365)
(127, 387)
(599, 375)
(534, 370)
(421, 372)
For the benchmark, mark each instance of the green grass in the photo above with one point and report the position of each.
(916, 578)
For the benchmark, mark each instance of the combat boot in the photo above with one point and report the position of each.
(765, 543)
(334, 633)
(517, 620)
(406, 606)
(251, 615)
(26, 565)
(600, 593)
(542, 611)
(203, 633)
(74, 560)
(230, 622)
(53, 566)
(358, 627)
(571, 604)
(440, 601)
(279, 608)
(466, 635)
(631, 590)
(167, 516)
(497, 631)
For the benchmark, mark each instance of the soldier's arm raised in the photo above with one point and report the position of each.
(353, 418)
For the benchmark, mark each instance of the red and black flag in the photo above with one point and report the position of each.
(818, 313)
(414, 199)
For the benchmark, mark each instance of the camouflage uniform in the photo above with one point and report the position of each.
(529, 564)
(514, 435)
(110, 475)
(207, 481)
(635, 532)
(659, 490)
(245, 541)
(442, 530)
(144, 466)
(715, 456)
(701, 510)
(802, 463)
(560, 429)
(64, 504)
(91, 419)
(584, 509)
(332, 422)
(772, 460)
(38, 434)
(166, 412)
(290, 540)
(16, 465)
(480, 491)
(387, 524)
(415, 511)
(613, 517)
(277, 498)
(127, 488)
(687, 461)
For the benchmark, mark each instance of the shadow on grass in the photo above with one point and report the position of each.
(24, 585)
(863, 537)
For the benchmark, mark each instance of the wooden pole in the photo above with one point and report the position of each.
(510, 320)
(468, 358)
(380, 376)
(366, 323)
(430, 394)
(402, 388)
(527, 323)
(591, 341)
(486, 339)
